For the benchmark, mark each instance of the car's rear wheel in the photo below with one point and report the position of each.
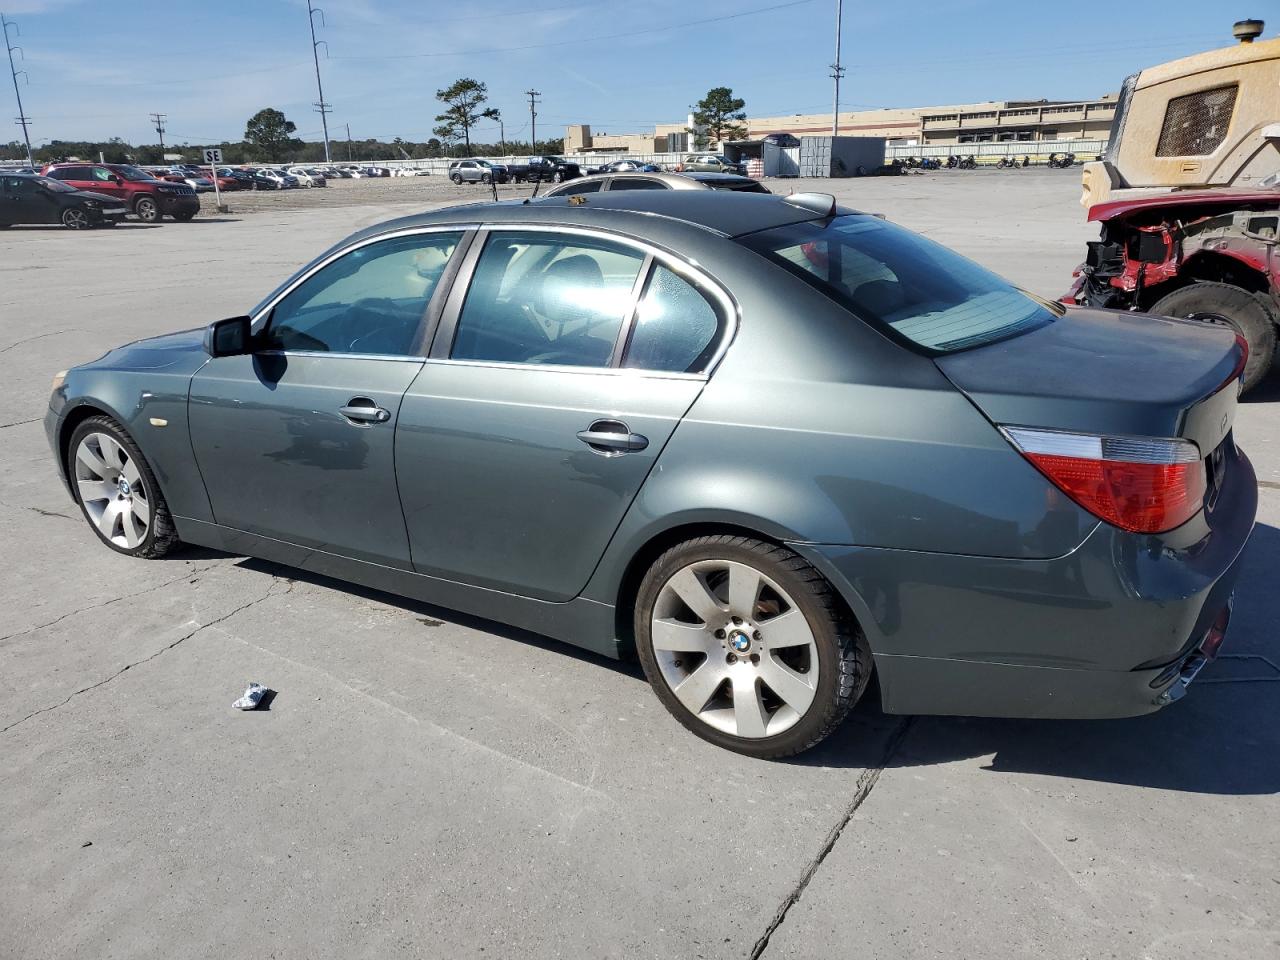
(1230, 306)
(73, 218)
(748, 646)
(117, 490)
(147, 210)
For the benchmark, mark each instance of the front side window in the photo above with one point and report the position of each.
(547, 299)
(912, 287)
(1195, 125)
(102, 175)
(369, 301)
(675, 326)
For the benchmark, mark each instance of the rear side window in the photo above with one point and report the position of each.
(1195, 125)
(675, 326)
(541, 298)
(369, 301)
(915, 289)
(637, 183)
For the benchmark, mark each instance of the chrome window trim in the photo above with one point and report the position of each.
(689, 270)
(562, 368)
(257, 320)
(339, 356)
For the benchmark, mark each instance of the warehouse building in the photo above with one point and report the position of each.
(991, 122)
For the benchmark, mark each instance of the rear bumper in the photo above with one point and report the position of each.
(1109, 630)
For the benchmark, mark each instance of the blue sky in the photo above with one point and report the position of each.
(98, 67)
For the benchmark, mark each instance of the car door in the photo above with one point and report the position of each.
(295, 440)
(104, 180)
(79, 177)
(21, 201)
(528, 433)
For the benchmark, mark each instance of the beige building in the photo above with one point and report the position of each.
(991, 122)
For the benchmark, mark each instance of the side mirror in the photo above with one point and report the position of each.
(228, 338)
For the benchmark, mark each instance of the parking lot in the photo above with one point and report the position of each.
(429, 784)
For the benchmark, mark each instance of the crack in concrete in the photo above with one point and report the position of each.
(137, 663)
(866, 783)
(106, 603)
(18, 423)
(38, 336)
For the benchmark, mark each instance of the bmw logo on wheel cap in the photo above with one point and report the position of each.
(739, 641)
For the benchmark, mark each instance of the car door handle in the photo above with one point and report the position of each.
(612, 437)
(364, 410)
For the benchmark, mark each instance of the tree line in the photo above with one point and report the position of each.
(269, 136)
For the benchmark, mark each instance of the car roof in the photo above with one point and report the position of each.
(709, 177)
(637, 212)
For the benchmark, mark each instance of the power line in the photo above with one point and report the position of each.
(321, 106)
(565, 43)
(22, 117)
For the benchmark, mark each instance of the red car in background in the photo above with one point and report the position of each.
(146, 197)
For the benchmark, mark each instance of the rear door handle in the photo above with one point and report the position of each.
(612, 437)
(364, 410)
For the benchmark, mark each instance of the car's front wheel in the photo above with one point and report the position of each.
(748, 645)
(147, 209)
(117, 490)
(73, 218)
(1229, 306)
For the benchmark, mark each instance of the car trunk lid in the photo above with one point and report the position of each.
(1108, 373)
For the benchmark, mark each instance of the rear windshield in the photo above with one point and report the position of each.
(909, 286)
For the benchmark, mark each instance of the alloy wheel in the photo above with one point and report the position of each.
(112, 490)
(734, 648)
(74, 218)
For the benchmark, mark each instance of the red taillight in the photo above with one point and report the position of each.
(1138, 484)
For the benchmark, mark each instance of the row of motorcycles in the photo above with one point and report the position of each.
(955, 162)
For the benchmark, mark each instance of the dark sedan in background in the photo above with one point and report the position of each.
(30, 198)
(768, 444)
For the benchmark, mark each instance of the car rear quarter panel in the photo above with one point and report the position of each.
(816, 428)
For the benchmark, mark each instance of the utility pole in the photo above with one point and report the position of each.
(837, 72)
(533, 96)
(158, 119)
(22, 118)
(502, 135)
(349, 156)
(321, 106)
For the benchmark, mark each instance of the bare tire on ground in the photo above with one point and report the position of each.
(117, 491)
(147, 209)
(748, 645)
(1230, 306)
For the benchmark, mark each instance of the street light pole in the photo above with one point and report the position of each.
(22, 118)
(321, 107)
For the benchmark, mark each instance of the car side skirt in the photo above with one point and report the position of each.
(581, 622)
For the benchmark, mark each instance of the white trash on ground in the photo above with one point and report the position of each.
(252, 697)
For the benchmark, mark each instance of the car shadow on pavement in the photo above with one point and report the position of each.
(431, 616)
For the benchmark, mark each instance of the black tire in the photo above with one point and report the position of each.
(844, 659)
(185, 217)
(161, 537)
(485, 178)
(1244, 312)
(456, 178)
(147, 209)
(73, 218)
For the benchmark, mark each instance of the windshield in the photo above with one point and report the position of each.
(133, 174)
(912, 287)
(57, 186)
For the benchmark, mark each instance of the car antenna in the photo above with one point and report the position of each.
(537, 182)
(493, 182)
